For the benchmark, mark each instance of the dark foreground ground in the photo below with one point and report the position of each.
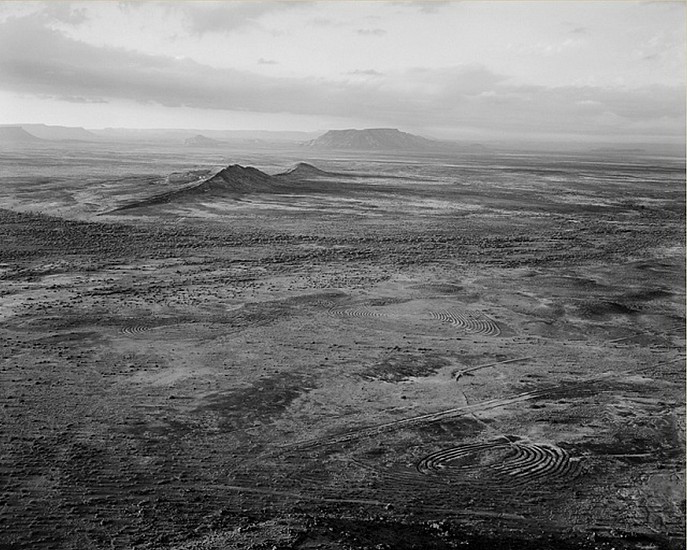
(424, 353)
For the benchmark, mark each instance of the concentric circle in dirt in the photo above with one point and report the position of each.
(469, 321)
(507, 463)
(355, 312)
(132, 330)
(392, 312)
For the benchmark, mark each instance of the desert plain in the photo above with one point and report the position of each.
(386, 351)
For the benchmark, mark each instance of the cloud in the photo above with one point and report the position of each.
(365, 72)
(43, 62)
(220, 17)
(323, 22)
(263, 61)
(425, 6)
(65, 13)
(456, 81)
(371, 32)
(81, 99)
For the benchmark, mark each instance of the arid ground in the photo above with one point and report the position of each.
(401, 352)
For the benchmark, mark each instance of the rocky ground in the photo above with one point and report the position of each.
(485, 356)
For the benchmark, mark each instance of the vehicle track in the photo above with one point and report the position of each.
(304, 496)
(470, 322)
(423, 419)
(488, 365)
(586, 384)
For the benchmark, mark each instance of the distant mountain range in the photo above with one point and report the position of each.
(365, 140)
(376, 139)
(195, 137)
(372, 139)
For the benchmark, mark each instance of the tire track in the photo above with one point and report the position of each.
(422, 419)
(463, 410)
(301, 496)
(488, 365)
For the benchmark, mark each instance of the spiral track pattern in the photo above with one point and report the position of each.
(473, 323)
(133, 330)
(355, 312)
(507, 463)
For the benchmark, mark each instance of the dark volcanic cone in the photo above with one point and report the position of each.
(239, 179)
(235, 181)
(229, 182)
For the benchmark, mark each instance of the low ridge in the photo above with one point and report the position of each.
(304, 170)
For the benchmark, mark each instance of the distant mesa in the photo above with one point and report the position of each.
(16, 135)
(377, 139)
(202, 141)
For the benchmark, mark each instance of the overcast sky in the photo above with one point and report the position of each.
(577, 70)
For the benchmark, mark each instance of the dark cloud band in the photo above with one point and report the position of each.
(35, 59)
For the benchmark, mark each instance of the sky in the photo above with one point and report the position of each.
(581, 70)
